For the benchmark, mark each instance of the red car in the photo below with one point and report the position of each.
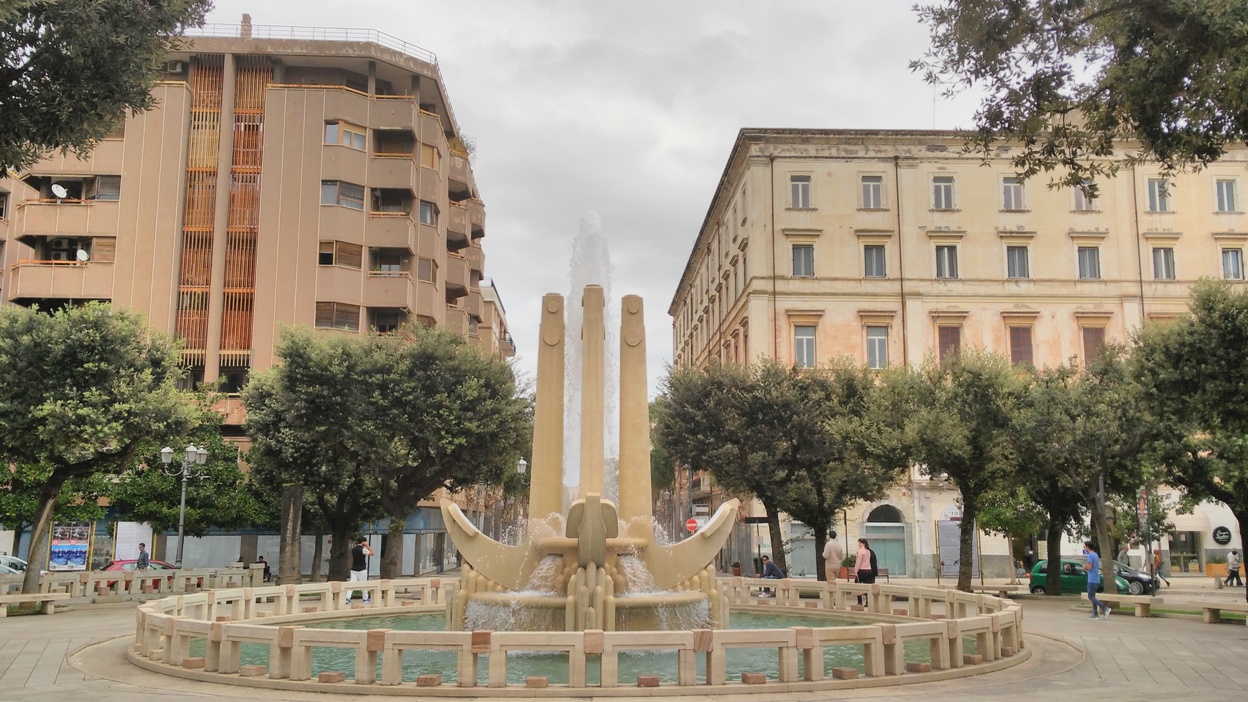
(132, 564)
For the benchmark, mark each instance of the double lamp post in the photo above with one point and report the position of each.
(191, 458)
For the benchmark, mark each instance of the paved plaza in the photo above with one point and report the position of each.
(78, 655)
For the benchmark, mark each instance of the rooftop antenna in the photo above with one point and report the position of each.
(59, 191)
(83, 256)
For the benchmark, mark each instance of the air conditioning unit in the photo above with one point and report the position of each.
(175, 67)
(61, 243)
(62, 256)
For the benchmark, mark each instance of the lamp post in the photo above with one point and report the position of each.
(191, 457)
(522, 467)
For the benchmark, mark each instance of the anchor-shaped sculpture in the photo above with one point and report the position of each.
(590, 542)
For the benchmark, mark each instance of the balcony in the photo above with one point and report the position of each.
(473, 304)
(456, 227)
(431, 186)
(395, 172)
(429, 301)
(476, 218)
(457, 321)
(391, 230)
(346, 224)
(388, 290)
(42, 280)
(506, 345)
(459, 181)
(456, 276)
(429, 243)
(338, 284)
(394, 112)
(231, 409)
(476, 259)
(69, 217)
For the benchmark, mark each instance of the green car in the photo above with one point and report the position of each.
(1074, 579)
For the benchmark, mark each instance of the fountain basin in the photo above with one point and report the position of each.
(519, 611)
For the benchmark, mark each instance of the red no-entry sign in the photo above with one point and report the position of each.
(692, 524)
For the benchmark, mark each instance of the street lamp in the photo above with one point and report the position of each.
(192, 457)
(522, 467)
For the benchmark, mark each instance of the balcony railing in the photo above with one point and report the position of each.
(275, 31)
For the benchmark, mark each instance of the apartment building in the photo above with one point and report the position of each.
(287, 176)
(892, 246)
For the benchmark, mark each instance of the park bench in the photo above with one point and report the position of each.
(1211, 611)
(1143, 604)
(880, 573)
(1002, 591)
(47, 600)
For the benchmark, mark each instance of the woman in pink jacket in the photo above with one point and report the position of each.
(864, 568)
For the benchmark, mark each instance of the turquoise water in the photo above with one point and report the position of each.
(521, 665)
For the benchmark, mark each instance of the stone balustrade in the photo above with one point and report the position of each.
(84, 587)
(224, 619)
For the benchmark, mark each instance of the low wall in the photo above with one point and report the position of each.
(226, 618)
(120, 585)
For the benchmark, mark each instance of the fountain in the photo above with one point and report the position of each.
(599, 567)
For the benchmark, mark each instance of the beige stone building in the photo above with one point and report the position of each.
(891, 246)
(287, 176)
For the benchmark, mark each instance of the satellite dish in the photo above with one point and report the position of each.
(83, 256)
(59, 190)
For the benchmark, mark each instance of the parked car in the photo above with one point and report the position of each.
(13, 563)
(6, 570)
(1139, 582)
(131, 564)
(1074, 579)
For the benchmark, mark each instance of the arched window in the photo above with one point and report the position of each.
(886, 514)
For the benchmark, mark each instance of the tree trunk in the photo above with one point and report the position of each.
(340, 551)
(821, 540)
(392, 554)
(289, 565)
(318, 553)
(966, 542)
(777, 539)
(1100, 536)
(1241, 516)
(1053, 578)
(39, 530)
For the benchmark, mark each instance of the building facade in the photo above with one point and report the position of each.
(284, 178)
(892, 246)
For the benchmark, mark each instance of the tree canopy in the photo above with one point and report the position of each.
(89, 390)
(1065, 80)
(71, 69)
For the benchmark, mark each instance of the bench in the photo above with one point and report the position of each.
(1002, 591)
(1143, 604)
(47, 600)
(1211, 611)
(879, 573)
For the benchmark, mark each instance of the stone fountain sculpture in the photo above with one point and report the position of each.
(601, 567)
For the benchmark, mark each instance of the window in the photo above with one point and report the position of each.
(336, 315)
(947, 261)
(942, 192)
(336, 192)
(4, 205)
(872, 192)
(427, 270)
(429, 156)
(873, 261)
(1011, 194)
(1233, 264)
(1016, 262)
(1158, 195)
(346, 134)
(1093, 340)
(1089, 263)
(1226, 195)
(1020, 345)
(948, 340)
(389, 261)
(1163, 263)
(386, 321)
(799, 189)
(877, 347)
(340, 253)
(804, 346)
(803, 260)
(428, 213)
(1084, 203)
(105, 188)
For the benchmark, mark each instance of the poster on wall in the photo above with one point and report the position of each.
(70, 546)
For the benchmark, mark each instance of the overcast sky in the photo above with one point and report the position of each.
(629, 109)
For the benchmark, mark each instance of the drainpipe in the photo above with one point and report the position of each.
(775, 314)
(901, 265)
(1139, 248)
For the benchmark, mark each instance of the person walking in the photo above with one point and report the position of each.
(833, 554)
(359, 566)
(1232, 569)
(864, 566)
(1157, 563)
(144, 560)
(1092, 566)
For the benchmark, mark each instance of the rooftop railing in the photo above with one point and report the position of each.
(275, 31)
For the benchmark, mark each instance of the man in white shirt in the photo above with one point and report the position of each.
(1232, 569)
(833, 554)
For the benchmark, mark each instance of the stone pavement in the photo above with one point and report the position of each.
(47, 658)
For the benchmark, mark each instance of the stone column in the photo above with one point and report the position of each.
(593, 342)
(635, 499)
(546, 486)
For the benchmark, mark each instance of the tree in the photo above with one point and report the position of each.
(223, 497)
(1194, 373)
(742, 424)
(79, 500)
(960, 427)
(1063, 80)
(71, 69)
(97, 389)
(856, 452)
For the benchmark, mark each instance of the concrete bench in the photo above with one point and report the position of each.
(1211, 611)
(47, 600)
(1143, 604)
(1002, 591)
